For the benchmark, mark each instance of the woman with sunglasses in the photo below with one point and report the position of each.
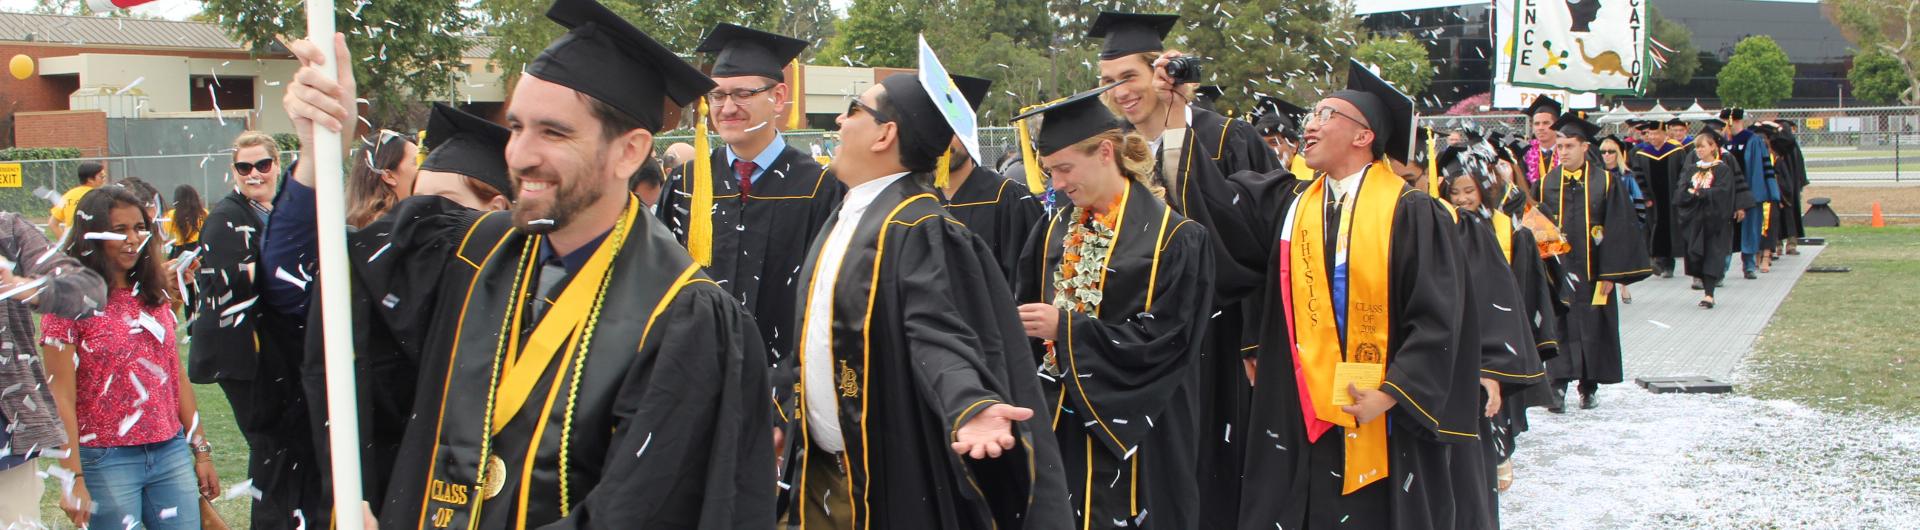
(223, 347)
(383, 174)
(1613, 157)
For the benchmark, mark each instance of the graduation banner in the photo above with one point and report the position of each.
(1505, 94)
(1595, 46)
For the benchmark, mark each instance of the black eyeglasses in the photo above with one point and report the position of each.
(1322, 114)
(855, 104)
(264, 165)
(1609, 152)
(717, 98)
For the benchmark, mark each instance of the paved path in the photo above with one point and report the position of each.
(1665, 333)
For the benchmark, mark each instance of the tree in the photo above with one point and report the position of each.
(404, 52)
(1286, 48)
(878, 33)
(1877, 77)
(1683, 61)
(1758, 75)
(1885, 25)
(1402, 62)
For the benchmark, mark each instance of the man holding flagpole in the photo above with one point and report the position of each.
(558, 405)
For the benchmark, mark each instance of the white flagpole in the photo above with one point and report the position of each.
(343, 420)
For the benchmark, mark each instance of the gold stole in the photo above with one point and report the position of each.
(1369, 244)
(1503, 231)
(1299, 167)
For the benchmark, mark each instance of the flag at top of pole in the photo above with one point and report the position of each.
(330, 209)
(102, 6)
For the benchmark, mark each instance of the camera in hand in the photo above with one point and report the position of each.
(1184, 69)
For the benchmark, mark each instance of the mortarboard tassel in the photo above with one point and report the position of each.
(799, 92)
(700, 213)
(1433, 170)
(940, 173)
(1036, 184)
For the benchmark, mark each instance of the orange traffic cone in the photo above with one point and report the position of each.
(1877, 221)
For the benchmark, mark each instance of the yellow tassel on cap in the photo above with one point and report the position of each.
(1433, 169)
(700, 213)
(940, 173)
(793, 101)
(1036, 183)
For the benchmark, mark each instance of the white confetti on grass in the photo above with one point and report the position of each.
(1713, 461)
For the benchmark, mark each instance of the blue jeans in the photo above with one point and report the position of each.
(149, 486)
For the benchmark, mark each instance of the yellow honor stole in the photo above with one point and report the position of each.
(1318, 347)
(1503, 231)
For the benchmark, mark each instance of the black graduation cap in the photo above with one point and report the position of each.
(1786, 123)
(1733, 113)
(1272, 105)
(1575, 124)
(1641, 125)
(604, 56)
(974, 88)
(1714, 123)
(1068, 121)
(1675, 121)
(924, 132)
(1389, 113)
(1543, 104)
(1277, 116)
(742, 51)
(1131, 33)
(465, 144)
(1207, 95)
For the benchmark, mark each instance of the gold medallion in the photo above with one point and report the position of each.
(494, 478)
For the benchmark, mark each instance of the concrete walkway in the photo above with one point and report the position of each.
(1665, 333)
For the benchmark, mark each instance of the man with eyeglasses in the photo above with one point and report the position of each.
(769, 198)
(1658, 162)
(1363, 386)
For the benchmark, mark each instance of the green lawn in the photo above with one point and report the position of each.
(229, 459)
(1844, 341)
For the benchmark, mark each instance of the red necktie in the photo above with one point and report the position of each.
(744, 168)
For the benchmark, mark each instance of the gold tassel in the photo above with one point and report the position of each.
(940, 173)
(1433, 169)
(796, 95)
(700, 213)
(1036, 183)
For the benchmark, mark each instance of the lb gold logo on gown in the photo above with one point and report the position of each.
(1368, 353)
(495, 477)
(849, 381)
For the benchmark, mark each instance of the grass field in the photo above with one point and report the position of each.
(1844, 341)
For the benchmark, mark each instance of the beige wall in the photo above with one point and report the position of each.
(829, 87)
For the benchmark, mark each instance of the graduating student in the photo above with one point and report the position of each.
(1712, 197)
(466, 164)
(1279, 124)
(1509, 357)
(918, 407)
(999, 209)
(1593, 209)
(1655, 163)
(579, 370)
(1748, 149)
(1119, 290)
(1195, 150)
(768, 198)
(1362, 383)
(1541, 115)
(1790, 164)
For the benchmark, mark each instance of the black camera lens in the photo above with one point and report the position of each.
(1184, 69)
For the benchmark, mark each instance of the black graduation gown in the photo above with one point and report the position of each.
(758, 244)
(1294, 484)
(660, 426)
(388, 334)
(1597, 205)
(1791, 166)
(1234, 145)
(1543, 310)
(1127, 401)
(937, 340)
(1000, 210)
(1504, 344)
(1706, 221)
(1661, 174)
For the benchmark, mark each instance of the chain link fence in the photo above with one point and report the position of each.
(1841, 144)
(42, 182)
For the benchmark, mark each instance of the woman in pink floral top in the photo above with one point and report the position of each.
(116, 379)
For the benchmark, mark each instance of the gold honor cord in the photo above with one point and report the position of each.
(700, 213)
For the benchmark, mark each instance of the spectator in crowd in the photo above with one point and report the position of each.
(56, 285)
(225, 350)
(383, 173)
(142, 449)
(185, 219)
(91, 175)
